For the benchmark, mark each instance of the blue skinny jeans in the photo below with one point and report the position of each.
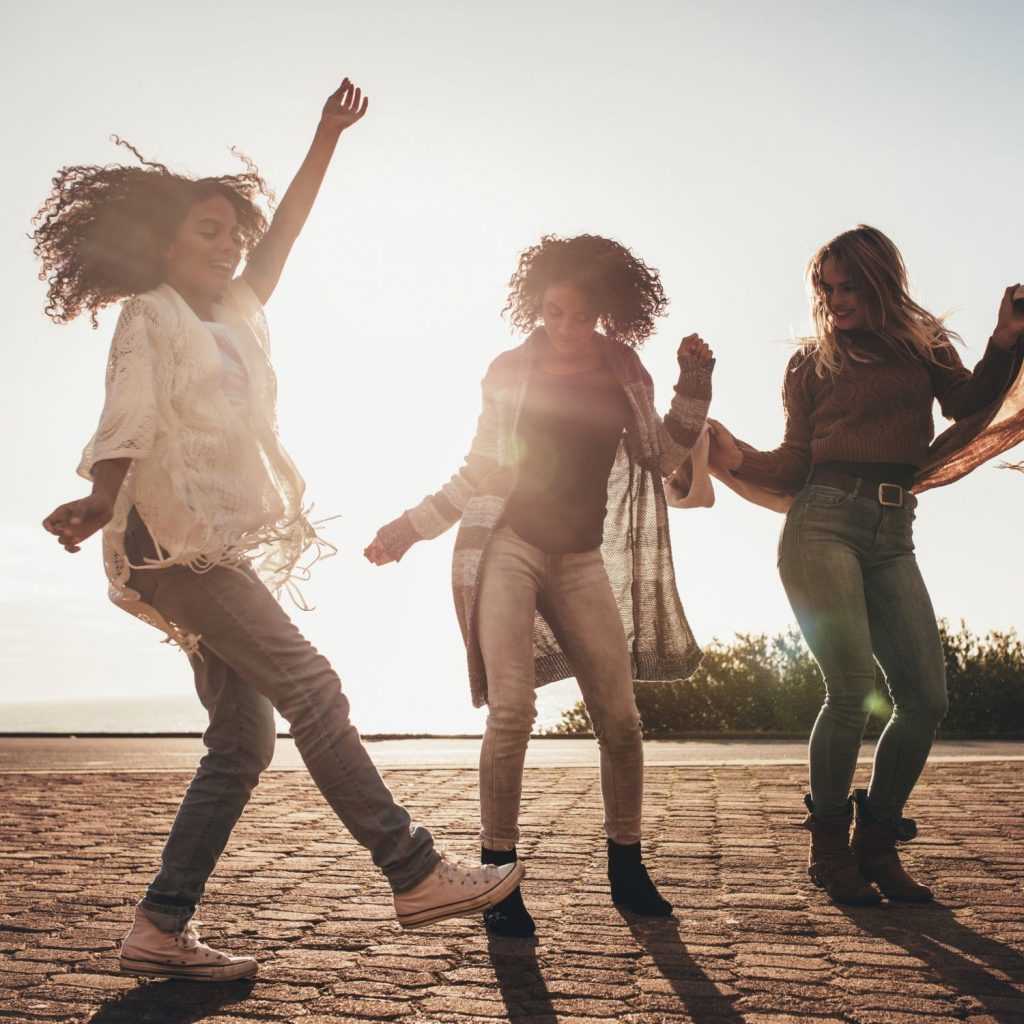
(848, 567)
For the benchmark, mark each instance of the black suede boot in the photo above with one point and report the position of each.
(509, 918)
(631, 885)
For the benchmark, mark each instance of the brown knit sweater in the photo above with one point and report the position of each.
(874, 411)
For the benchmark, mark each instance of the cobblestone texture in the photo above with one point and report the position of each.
(751, 942)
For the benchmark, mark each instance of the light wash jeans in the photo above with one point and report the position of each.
(254, 659)
(573, 594)
(849, 570)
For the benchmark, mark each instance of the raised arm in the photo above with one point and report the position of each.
(961, 392)
(343, 108)
(691, 399)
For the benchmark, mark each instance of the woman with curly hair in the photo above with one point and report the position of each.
(562, 562)
(858, 398)
(202, 518)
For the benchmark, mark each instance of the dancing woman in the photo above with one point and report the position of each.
(201, 509)
(858, 400)
(562, 563)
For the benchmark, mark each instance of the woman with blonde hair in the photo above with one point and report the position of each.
(858, 400)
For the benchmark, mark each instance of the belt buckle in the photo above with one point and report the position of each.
(887, 489)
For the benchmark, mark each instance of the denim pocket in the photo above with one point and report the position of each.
(822, 496)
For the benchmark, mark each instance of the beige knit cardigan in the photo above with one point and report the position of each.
(637, 550)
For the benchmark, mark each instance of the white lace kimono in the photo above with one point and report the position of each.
(210, 487)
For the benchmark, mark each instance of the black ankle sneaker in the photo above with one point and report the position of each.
(631, 884)
(509, 918)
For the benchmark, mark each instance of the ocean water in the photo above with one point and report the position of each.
(182, 713)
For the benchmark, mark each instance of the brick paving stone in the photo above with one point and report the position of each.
(752, 942)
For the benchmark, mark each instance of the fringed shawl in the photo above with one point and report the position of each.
(210, 488)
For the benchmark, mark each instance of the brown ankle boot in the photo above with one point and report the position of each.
(830, 864)
(874, 849)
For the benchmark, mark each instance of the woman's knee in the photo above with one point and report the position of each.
(850, 698)
(618, 727)
(511, 717)
(928, 707)
(258, 751)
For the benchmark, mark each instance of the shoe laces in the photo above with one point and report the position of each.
(453, 868)
(188, 937)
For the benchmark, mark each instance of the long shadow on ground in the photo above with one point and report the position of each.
(522, 986)
(172, 1002)
(968, 962)
(698, 994)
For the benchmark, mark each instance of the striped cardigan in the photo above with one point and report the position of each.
(637, 551)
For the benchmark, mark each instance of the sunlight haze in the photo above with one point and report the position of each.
(722, 142)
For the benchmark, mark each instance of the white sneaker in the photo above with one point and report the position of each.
(456, 889)
(150, 950)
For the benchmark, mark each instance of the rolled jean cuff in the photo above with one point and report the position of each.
(496, 843)
(411, 875)
(623, 836)
(168, 917)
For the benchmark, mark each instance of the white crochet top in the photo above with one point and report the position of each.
(212, 486)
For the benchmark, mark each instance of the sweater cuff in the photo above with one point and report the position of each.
(995, 366)
(764, 470)
(398, 536)
(694, 378)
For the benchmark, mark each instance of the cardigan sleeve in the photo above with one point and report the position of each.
(685, 419)
(959, 391)
(442, 509)
(127, 426)
(785, 469)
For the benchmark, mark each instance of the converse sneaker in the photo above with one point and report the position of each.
(150, 950)
(455, 889)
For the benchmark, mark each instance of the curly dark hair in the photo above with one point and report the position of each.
(625, 292)
(101, 234)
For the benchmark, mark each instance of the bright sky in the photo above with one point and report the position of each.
(722, 141)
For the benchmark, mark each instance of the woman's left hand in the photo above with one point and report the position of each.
(343, 108)
(693, 346)
(1010, 324)
(724, 454)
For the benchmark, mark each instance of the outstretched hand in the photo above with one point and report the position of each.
(74, 521)
(343, 108)
(1010, 323)
(376, 552)
(693, 346)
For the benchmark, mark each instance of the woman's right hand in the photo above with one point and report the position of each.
(74, 521)
(376, 552)
(723, 453)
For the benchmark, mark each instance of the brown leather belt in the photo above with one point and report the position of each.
(887, 495)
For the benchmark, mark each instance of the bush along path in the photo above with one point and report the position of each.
(766, 684)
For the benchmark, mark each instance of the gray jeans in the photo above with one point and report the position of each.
(252, 659)
(849, 570)
(573, 594)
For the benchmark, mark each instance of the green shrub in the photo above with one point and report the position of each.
(772, 685)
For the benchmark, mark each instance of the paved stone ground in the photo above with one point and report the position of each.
(751, 942)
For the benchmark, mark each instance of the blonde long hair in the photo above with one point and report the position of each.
(877, 270)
